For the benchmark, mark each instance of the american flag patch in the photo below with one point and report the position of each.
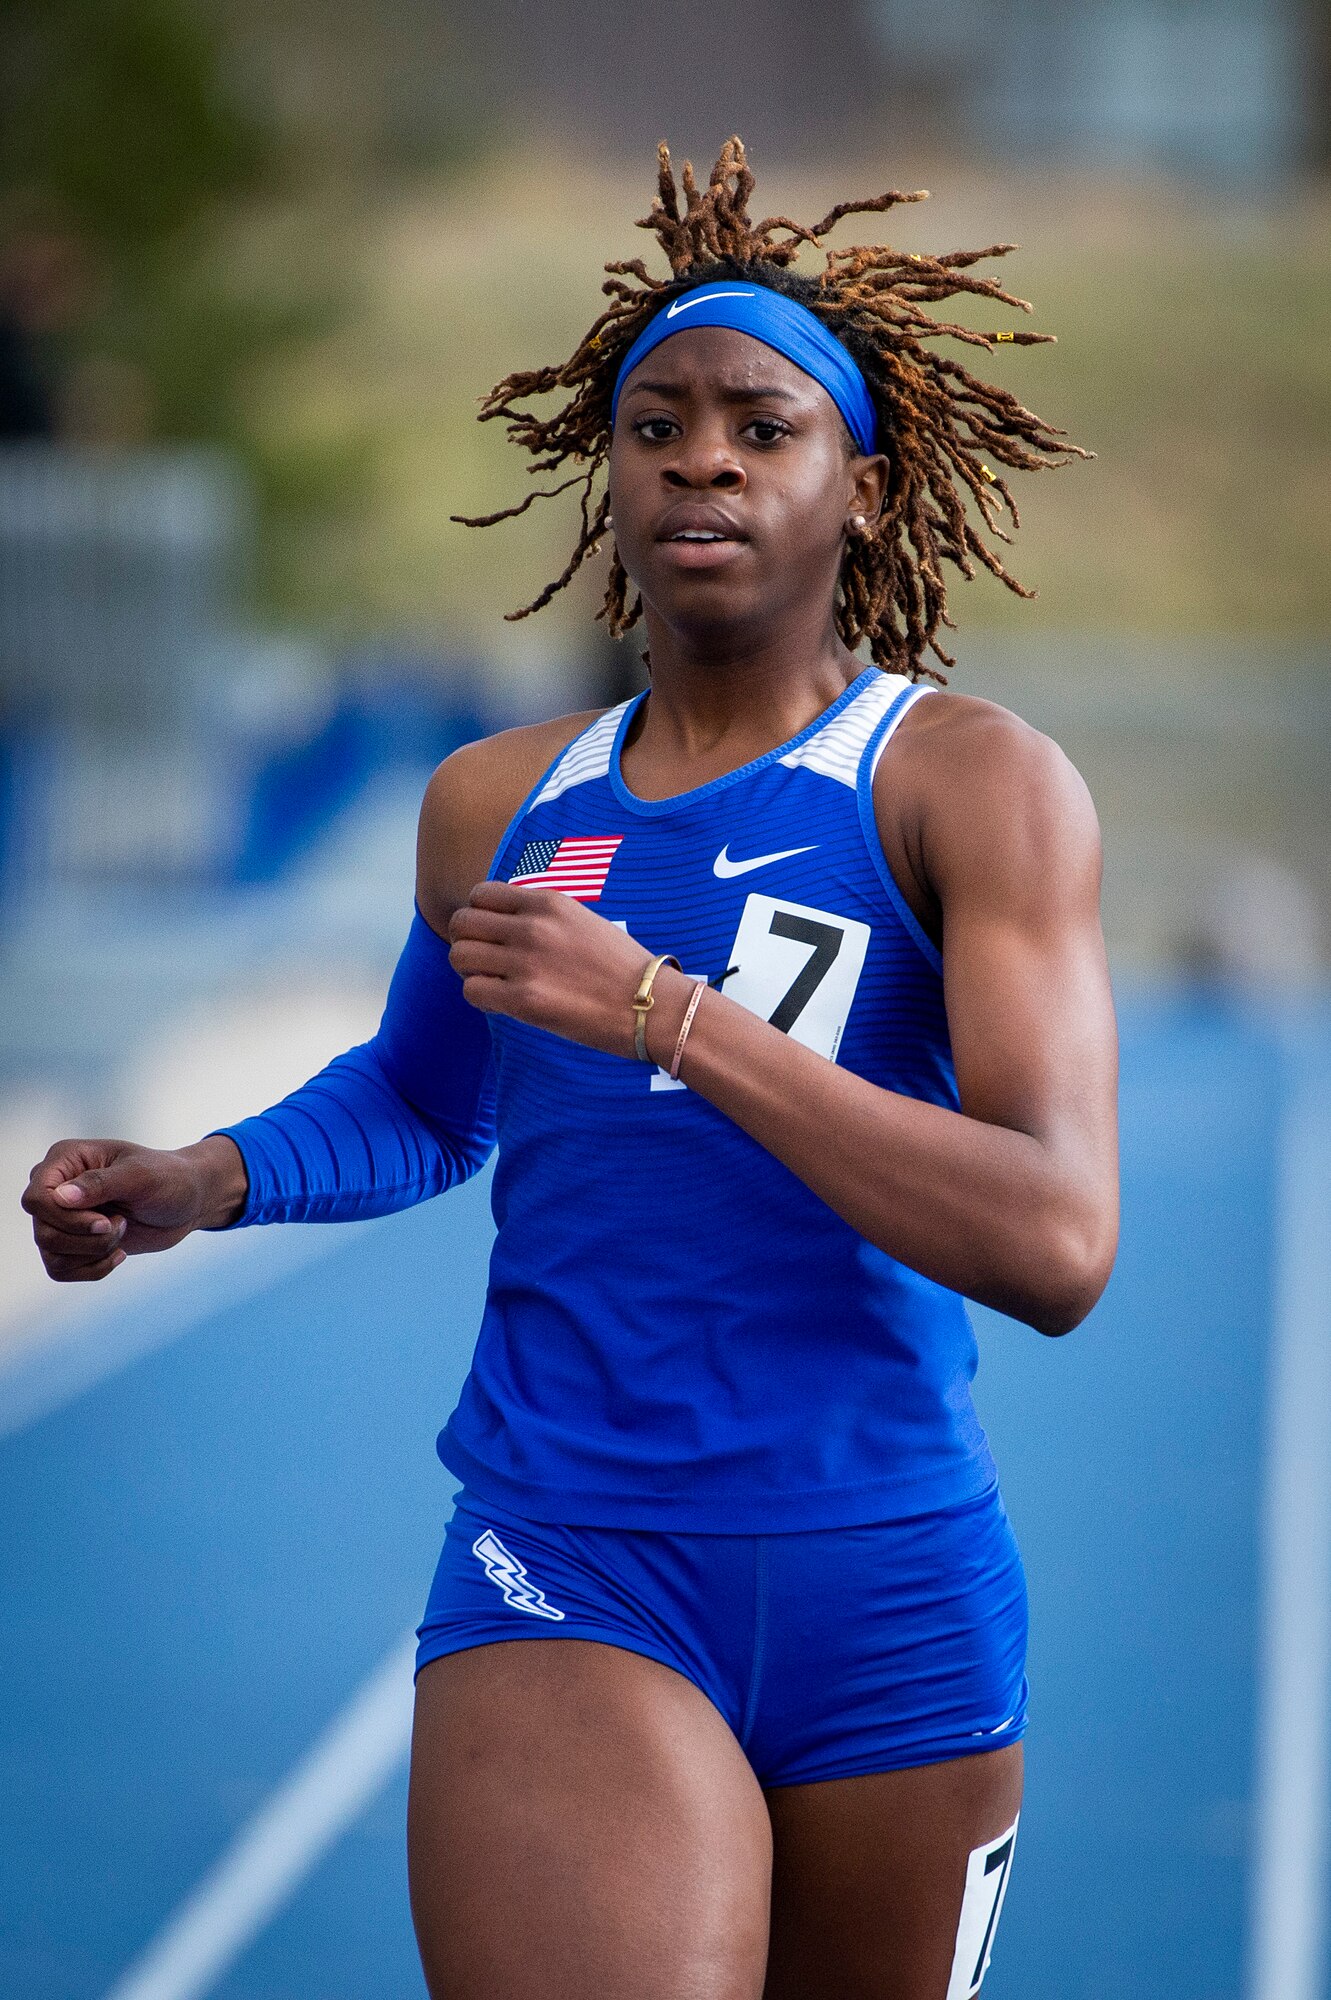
(577, 867)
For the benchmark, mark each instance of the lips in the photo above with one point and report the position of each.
(696, 526)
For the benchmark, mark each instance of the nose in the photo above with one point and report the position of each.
(704, 463)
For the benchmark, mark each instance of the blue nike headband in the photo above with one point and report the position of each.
(779, 323)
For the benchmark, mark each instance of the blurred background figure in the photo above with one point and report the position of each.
(257, 264)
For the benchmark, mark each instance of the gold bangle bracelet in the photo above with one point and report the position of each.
(643, 1002)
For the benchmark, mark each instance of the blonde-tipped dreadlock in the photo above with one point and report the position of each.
(937, 421)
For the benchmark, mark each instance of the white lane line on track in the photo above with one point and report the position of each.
(93, 1332)
(1288, 1913)
(271, 1856)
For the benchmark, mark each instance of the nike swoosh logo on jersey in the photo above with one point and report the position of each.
(683, 305)
(725, 867)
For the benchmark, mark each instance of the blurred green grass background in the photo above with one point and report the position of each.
(315, 236)
(1193, 356)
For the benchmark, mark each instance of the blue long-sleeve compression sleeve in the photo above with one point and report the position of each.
(388, 1124)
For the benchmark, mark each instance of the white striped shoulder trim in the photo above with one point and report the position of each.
(588, 756)
(836, 751)
(917, 694)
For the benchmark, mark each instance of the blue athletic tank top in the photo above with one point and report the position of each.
(678, 1333)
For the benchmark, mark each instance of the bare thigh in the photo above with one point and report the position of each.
(582, 1826)
(868, 1874)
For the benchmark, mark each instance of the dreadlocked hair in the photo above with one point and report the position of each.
(938, 423)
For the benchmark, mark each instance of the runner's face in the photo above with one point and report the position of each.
(732, 479)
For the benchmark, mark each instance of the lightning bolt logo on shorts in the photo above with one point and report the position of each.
(502, 1567)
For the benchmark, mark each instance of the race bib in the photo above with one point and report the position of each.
(798, 968)
(987, 1872)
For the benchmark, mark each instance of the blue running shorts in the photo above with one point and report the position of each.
(830, 1653)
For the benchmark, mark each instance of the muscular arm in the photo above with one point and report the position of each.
(1013, 1199)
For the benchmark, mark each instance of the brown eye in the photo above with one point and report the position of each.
(656, 430)
(766, 430)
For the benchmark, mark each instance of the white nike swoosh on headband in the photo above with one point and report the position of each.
(682, 305)
(725, 867)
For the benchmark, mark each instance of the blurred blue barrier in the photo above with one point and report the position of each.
(147, 734)
(214, 1547)
(236, 802)
(294, 790)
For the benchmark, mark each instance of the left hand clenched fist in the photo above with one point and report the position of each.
(541, 957)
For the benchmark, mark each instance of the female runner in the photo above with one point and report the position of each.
(784, 989)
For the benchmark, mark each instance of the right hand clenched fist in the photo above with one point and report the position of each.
(94, 1202)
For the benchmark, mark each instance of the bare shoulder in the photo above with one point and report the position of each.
(974, 793)
(470, 800)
